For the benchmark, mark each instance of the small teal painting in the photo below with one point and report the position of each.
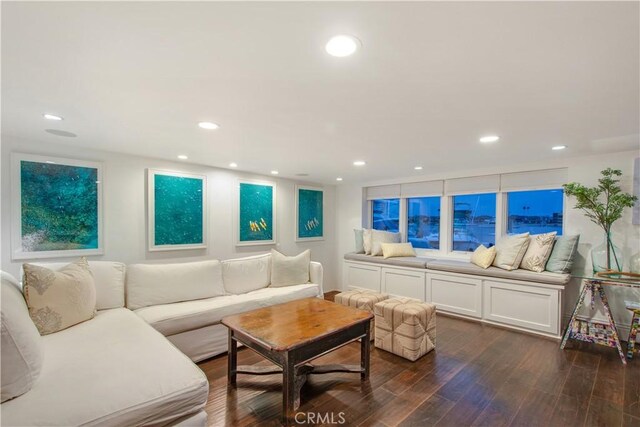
(256, 215)
(178, 210)
(58, 206)
(310, 218)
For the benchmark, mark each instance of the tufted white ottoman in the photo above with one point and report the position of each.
(405, 327)
(362, 299)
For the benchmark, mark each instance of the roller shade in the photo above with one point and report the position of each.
(474, 184)
(383, 192)
(532, 180)
(422, 189)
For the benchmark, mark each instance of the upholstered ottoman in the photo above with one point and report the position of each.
(362, 299)
(405, 327)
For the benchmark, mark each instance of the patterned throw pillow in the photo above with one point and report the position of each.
(540, 246)
(483, 257)
(59, 299)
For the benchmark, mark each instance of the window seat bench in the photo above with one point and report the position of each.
(518, 299)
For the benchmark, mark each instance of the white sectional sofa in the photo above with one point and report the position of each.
(120, 368)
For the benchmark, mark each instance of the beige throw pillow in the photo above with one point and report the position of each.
(390, 250)
(289, 270)
(59, 299)
(510, 250)
(378, 237)
(538, 253)
(483, 256)
(366, 240)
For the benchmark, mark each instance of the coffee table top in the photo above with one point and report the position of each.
(285, 326)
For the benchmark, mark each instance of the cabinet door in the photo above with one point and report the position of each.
(455, 294)
(403, 283)
(524, 306)
(362, 276)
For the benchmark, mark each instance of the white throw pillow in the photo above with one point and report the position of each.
(391, 250)
(540, 246)
(366, 240)
(510, 250)
(289, 270)
(21, 346)
(242, 275)
(59, 299)
(155, 284)
(483, 257)
(378, 237)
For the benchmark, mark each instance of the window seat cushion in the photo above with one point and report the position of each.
(465, 267)
(408, 261)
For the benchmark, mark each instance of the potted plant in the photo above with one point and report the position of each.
(603, 205)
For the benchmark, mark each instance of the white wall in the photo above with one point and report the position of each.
(125, 225)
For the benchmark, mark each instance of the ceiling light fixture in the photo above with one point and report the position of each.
(208, 125)
(558, 147)
(274, 172)
(338, 179)
(233, 165)
(342, 46)
(359, 163)
(418, 168)
(489, 139)
(183, 157)
(52, 117)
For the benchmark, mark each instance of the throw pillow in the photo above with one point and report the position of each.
(59, 299)
(537, 254)
(390, 250)
(483, 256)
(510, 250)
(289, 270)
(366, 240)
(563, 253)
(21, 346)
(379, 237)
(359, 240)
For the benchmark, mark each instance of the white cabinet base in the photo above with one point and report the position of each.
(403, 283)
(455, 294)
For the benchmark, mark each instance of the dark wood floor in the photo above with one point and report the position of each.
(478, 375)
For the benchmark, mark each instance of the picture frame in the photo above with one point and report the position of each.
(309, 205)
(256, 215)
(170, 226)
(60, 212)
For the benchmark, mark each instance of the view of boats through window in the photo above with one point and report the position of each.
(474, 221)
(537, 212)
(423, 221)
(386, 214)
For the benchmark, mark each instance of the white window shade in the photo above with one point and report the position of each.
(474, 184)
(533, 180)
(383, 192)
(422, 189)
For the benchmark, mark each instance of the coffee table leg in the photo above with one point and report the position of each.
(232, 360)
(365, 351)
(289, 391)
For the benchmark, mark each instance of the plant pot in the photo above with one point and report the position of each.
(607, 256)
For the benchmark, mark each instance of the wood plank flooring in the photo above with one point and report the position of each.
(478, 376)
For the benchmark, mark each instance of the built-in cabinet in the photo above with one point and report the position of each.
(534, 307)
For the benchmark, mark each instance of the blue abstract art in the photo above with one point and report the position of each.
(256, 216)
(176, 211)
(310, 221)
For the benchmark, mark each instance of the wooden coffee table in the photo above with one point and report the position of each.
(291, 335)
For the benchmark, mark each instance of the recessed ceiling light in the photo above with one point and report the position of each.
(359, 163)
(489, 139)
(233, 165)
(183, 157)
(338, 179)
(342, 45)
(52, 117)
(558, 147)
(274, 172)
(418, 168)
(208, 125)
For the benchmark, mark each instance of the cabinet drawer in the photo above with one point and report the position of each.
(362, 276)
(403, 283)
(455, 294)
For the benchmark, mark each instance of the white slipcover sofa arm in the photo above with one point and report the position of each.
(315, 276)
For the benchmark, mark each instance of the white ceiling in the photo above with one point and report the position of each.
(429, 80)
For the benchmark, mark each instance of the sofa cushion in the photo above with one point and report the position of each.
(367, 240)
(525, 275)
(359, 236)
(112, 370)
(510, 250)
(538, 252)
(378, 237)
(108, 277)
(563, 253)
(21, 346)
(409, 261)
(483, 257)
(172, 319)
(396, 250)
(242, 275)
(59, 299)
(153, 284)
(289, 270)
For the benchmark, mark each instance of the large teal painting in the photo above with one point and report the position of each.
(310, 221)
(58, 203)
(176, 211)
(256, 216)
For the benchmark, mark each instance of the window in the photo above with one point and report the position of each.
(386, 214)
(474, 221)
(423, 222)
(538, 211)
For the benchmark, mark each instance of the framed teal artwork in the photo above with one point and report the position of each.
(56, 207)
(256, 223)
(309, 213)
(177, 210)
